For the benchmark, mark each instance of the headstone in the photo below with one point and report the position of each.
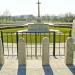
(69, 51)
(21, 51)
(1, 53)
(45, 51)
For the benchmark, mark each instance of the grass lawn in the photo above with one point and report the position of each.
(11, 36)
(13, 29)
(33, 38)
(64, 30)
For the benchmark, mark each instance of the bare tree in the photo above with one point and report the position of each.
(6, 15)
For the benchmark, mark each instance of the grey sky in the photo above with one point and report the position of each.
(48, 7)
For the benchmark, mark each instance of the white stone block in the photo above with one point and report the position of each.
(21, 51)
(69, 51)
(73, 31)
(1, 53)
(45, 51)
(38, 27)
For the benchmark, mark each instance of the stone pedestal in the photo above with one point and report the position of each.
(38, 27)
(69, 51)
(1, 53)
(21, 51)
(73, 31)
(45, 51)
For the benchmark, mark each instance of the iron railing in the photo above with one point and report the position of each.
(33, 42)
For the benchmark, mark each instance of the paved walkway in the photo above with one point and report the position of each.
(34, 67)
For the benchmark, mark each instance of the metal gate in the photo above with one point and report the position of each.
(33, 42)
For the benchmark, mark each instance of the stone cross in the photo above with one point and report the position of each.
(69, 51)
(21, 51)
(38, 20)
(45, 51)
(1, 53)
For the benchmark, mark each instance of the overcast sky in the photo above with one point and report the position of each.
(48, 7)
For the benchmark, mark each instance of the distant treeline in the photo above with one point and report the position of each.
(68, 17)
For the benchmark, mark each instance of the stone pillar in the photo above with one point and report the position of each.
(45, 51)
(21, 51)
(1, 53)
(73, 30)
(69, 51)
(73, 33)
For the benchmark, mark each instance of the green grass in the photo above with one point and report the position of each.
(4, 21)
(31, 38)
(13, 29)
(12, 37)
(64, 30)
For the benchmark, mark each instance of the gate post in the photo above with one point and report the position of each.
(36, 45)
(21, 51)
(45, 51)
(1, 53)
(69, 51)
(54, 39)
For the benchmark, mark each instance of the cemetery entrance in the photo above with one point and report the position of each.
(33, 41)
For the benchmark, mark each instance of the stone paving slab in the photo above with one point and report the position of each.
(10, 67)
(34, 67)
